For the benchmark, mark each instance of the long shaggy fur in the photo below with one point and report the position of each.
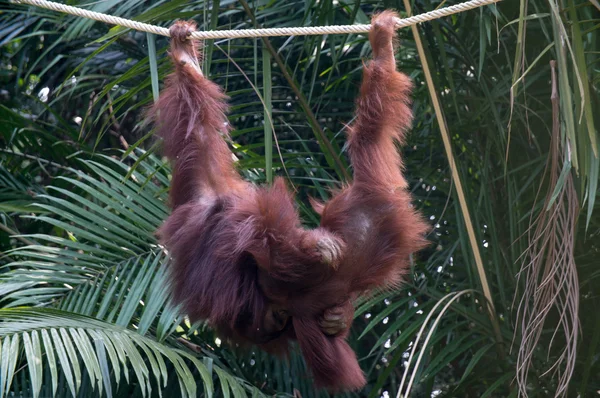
(241, 258)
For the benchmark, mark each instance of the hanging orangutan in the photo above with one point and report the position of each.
(242, 259)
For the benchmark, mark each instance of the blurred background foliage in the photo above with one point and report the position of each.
(83, 306)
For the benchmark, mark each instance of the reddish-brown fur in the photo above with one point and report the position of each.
(242, 259)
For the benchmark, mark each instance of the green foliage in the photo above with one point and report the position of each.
(83, 306)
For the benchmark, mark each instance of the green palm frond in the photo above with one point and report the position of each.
(106, 277)
(107, 224)
(79, 349)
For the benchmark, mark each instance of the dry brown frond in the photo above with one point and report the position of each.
(550, 277)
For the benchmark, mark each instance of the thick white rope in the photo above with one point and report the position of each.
(223, 34)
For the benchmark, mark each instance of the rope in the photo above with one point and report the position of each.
(223, 34)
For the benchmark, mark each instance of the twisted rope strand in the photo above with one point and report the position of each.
(224, 34)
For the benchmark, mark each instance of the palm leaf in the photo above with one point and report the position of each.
(83, 342)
